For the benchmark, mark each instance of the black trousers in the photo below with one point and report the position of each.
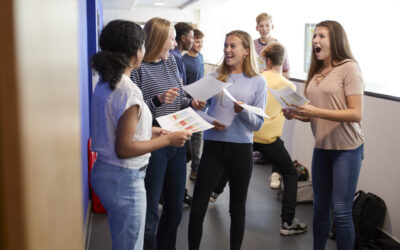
(237, 160)
(278, 155)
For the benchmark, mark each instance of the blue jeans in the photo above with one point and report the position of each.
(166, 174)
(122, 193)
(334, 178)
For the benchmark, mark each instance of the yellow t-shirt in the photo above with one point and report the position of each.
(272, 128)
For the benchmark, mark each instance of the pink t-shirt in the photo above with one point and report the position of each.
(259, 46)
(344, 80)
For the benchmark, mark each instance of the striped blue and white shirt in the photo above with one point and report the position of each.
(156, 78)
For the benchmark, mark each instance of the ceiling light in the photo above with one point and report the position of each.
(159, 3)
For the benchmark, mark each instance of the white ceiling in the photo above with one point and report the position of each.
(128, 4)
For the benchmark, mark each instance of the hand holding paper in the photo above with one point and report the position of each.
(186, 119)
(250, 108)
(288, 97)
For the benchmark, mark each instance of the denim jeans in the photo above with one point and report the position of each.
(218, 157)
(166, 174)
(334, 177)
(122, 193)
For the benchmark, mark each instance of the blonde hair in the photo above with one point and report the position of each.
(263, 16)
(157, 30)
(249, 63)
(275, 52)
(340, 48)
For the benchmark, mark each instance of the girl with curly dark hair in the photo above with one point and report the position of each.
(122, 134)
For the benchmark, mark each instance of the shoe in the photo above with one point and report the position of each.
(193, 175)
(275, 180)
(293, 228)
(214, 197)
(187, 200)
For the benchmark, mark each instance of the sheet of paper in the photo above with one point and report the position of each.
(287, 96)
(256, 110)
(186, 119)
(205, 88)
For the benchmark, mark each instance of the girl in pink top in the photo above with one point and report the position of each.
(335, 89)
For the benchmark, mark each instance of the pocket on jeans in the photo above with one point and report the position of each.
(107, 190)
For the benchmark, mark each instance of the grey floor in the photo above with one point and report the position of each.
(262, 222)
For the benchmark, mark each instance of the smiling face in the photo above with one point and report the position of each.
(264, 28)
(197, 45)
(234, 52)
(321, 44)
(169, 44)
(188, 40)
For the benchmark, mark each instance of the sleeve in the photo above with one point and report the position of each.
(127, 100)
(353, 83)
(136, 77)
(286, 65)
(252, 121)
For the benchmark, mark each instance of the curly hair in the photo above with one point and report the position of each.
(182, 29)
(120, 40)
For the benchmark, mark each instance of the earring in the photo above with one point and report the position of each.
(245, 57)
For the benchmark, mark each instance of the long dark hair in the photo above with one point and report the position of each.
(119, 42)
(340, 48)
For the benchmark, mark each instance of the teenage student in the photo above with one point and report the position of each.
(122, 134)
(268, 142)
(184, 40)
(194, 65)
(229, 146)
(161, 85)
(265, 27)
(334, 87)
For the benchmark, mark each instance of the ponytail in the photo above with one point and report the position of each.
(110, 66)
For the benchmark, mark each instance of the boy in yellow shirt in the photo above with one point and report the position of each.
(267, 140)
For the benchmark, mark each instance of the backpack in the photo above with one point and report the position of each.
(368, 214)
(302, 172)
(304, 192)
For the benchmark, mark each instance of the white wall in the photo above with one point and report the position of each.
(380, 170)
(371, 28)
(142, 15)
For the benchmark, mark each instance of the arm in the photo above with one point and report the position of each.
(251, 120)
(126, 147)
(353, 113)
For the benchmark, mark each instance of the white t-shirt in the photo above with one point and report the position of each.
(107, 107)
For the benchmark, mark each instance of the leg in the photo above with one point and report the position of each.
(196, 144)
(346, 170)
(154, 182)
(322, 188)
(222, 182)
(123, 195)
(280, 158)
(240, 167)
(174, 190)
(211, 168)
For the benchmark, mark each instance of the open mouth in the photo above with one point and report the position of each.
(317, 49)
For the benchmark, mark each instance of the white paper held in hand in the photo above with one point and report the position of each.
(287, 97)
(205, 88)
(186, 119)
(256, 110)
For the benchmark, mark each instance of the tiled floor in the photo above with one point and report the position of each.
(262, 222)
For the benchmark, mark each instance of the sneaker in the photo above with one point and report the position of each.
(193, 175)
(187, 200)
(214, 197)
(293, 228)
(275, 180)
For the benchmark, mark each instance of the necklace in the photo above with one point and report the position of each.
(321, 76)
